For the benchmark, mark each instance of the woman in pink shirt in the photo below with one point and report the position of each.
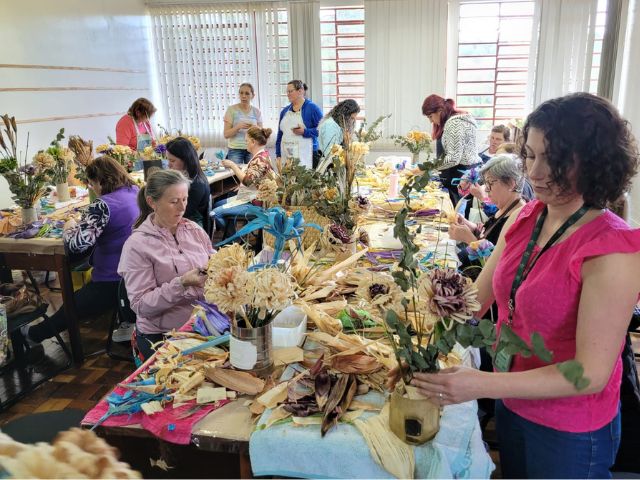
(164, 261)
(567, 268)
(134, 129)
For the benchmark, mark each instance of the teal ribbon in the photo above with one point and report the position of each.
(276, 222)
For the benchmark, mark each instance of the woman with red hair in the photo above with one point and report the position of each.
(455, 134)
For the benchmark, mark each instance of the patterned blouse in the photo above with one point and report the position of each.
(258, 169)
(83, 236)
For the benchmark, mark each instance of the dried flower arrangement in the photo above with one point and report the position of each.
(56, 160)
(121, 153)
(83, 150)
(415, 141)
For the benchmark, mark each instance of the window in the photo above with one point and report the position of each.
(494, 41)
(342, 42)
(203, 54)
(601, 20)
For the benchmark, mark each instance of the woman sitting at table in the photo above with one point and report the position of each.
(164, 260)
(134, 128)
(183, 157)
(258, 169)
(102, 232)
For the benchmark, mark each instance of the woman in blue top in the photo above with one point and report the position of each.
(336, 126)
(298, 127)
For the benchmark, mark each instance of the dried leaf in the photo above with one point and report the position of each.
(242, 382)
(359, 364)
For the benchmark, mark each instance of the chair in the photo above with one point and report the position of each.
(21, 349)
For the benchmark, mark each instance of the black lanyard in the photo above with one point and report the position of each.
(523, 271)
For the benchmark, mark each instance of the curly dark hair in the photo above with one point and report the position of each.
(586, 132)
(342, 112)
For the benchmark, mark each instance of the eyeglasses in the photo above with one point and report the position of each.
(489, 185)
(290, 91)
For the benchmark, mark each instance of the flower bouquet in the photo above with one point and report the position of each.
(83, 150)
(121, 153)
(28, 182)
(372, 133)
(166, 136)
(57, 161)
(336, 201)
(414, 141)
(251, 298)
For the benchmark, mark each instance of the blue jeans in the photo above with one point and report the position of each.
(530, 450)
(238, 155)
(223, 215)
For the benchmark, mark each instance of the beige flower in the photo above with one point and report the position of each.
(234, 255)
(273, 289)
(229, 289)
(359, 149)
(66, 155)
(268, 191)
(331, 194)
(103, 147)
(44, 160)
(449, 295)
(381, 290)
(122, 150)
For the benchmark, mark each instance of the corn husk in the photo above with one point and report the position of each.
(242, 382)
(323, 321)
(359, 364)
(271, 398)
(276, 415)
(387, 450)
(192, 382)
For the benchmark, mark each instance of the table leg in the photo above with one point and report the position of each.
(69, 305)
(245, 466)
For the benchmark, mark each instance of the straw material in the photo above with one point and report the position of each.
(310, 235)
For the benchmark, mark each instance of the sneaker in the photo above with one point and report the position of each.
(123, 332)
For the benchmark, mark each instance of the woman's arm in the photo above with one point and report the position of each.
(126, 132)
(279, 137)
(198, 190)
(311, 121)
(609, 292)
(235, 168)
(84, 236)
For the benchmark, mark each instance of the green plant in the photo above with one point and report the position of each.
(371, 134)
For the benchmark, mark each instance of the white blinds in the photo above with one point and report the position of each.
(205, 52)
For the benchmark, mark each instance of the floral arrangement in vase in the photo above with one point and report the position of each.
(27, 182)
(336, 201)
(83, 150)
(415, 141)
(251, 298)
(57, 161)
(121, 153)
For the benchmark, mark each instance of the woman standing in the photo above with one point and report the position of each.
(298, 127)
(103, 230)
(455, 134)
(182, 156)
(338, 124)
(237, 119)
(567, 268)
(258, 169)
(134, 129)
(164, 260)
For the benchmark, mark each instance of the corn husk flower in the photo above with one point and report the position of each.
(44, 160)
(380, 290)
(230, 289)
(331, 193)
(415, 141)
(268, 191)
(449, 295)
(234, 255)
(272, 289)
(83, 150)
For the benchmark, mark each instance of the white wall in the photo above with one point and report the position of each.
(107, 44)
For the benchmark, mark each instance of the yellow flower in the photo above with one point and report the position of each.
(336, 150)
(331, 194)
(44, 160)
(66, 155)
(358, 149)
(122, 150)
(103, 148)
(195, 141)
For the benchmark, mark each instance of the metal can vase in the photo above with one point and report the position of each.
(251, 348)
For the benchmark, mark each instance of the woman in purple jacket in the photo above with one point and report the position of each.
(102, 231)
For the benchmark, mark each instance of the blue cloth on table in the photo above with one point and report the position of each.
(457, 451)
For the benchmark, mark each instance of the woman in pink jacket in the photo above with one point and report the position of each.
(164, 261)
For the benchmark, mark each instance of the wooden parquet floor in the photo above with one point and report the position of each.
(76, 387)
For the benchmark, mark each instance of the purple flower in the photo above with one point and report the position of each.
(161, 148)
(340, 233)
(29, 169)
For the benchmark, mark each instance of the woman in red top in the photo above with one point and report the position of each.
(134, 129)
(567, 268)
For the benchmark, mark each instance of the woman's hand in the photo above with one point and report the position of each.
(478, 191)
(299, 130)
(69, 224)
(228, 164)
(461, 233)
(452, 385)
(193, 278)
(393, 377)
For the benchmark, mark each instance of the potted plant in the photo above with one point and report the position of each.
(415, 141)
(28, 182)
